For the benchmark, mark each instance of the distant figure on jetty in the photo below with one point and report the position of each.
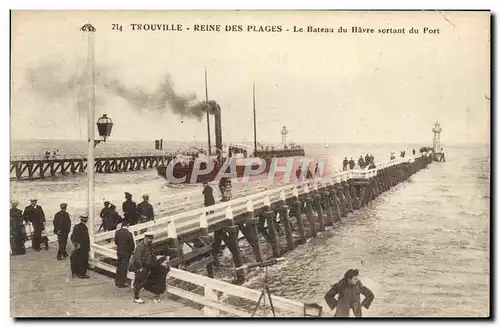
(352, 164)
(403, 154)
(349, 289)
(222, 186)
(361, 162)
(393, 156)
(47, 154)
(413, 151)
(62, 227)
(17, 230)
(372, 164)
(208, 195)
(129, 209)
(105, 213)
(125, 246)
(33, 214)
(226, 196)
(80, 256)
(141, 264)
(145, 209)
(345, 163)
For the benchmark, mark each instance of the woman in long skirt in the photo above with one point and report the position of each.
(157, 279)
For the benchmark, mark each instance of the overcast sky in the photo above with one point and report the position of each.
(323, 87)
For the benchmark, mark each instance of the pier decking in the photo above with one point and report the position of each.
(34, 167)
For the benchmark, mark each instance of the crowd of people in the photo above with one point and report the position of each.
(368, 162)
(150, 270)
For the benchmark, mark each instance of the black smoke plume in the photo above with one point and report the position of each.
(52, 82)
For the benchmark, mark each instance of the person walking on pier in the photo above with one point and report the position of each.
(129, 209)
(80, 257)
(156, 282)
(33, 214)
(125, 246)
(345, 163)
(145, 209)
(113, 219)
(105, 213)
(349, 290)
(62, 227)
(141, 264)
(17, 230)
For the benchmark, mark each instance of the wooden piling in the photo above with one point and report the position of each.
(310, 215)
(328, 207)
(273, 238)
(286, 225)
(252, 227)
(300, 220)
(319, 209)
(233, 232)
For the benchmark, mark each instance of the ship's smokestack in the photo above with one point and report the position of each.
(218, 132)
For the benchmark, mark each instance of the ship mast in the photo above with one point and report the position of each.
(254, 123)
(208, 114)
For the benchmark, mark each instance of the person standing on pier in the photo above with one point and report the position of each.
(129, 209)
(226, 196)
(145, 209)
(208, 195)
(345, 163)
(62, 227)
(352, 164)
(33, 214)
(81, 241)
(349, 290)
(112, 219)
(361, 162)
(141, 264)
(125, 246)
(105, 213)
(17, 230)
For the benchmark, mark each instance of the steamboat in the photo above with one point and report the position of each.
(238, 156)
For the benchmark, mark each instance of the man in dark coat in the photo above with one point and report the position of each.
(129, 209)
(141, 264)
(349, 289)
(112, 219)
(33, 214)
(361, 162)
(125, 246)
(80, 256)
(62, 227)
(105, 213)
(352, 164)
(345, 163)
(208, 195)
(157, 279)
(17, 230)
(145, 209)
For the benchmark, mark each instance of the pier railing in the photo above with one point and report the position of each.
(213, 292)
(188, 221)
(84, 156)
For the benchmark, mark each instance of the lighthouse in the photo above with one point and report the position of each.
(284, 133)
(437, 137)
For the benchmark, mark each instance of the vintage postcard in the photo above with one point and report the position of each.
(250, 163)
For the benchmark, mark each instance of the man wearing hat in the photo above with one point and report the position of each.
(141, 264)
(80, 256)
(105, 213)
(125, 246)
(33, 214)
(129, 209)
(62, 227)
(145, 209)
(17, 230)
(349, 289)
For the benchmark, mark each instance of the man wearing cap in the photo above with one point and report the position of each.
(145, 209)
(17, 230)
(112, 219)
(125, 246)
(141, 264)
(129, 209)
(34, 215)
(349, 289)
(62, 227)
(105, 213)
(80, 256)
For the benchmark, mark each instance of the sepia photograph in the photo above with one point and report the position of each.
(238, 163)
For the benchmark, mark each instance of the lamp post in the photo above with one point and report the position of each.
(104, 126)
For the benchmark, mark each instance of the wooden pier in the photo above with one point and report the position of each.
(35, 167)
(282, 216)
